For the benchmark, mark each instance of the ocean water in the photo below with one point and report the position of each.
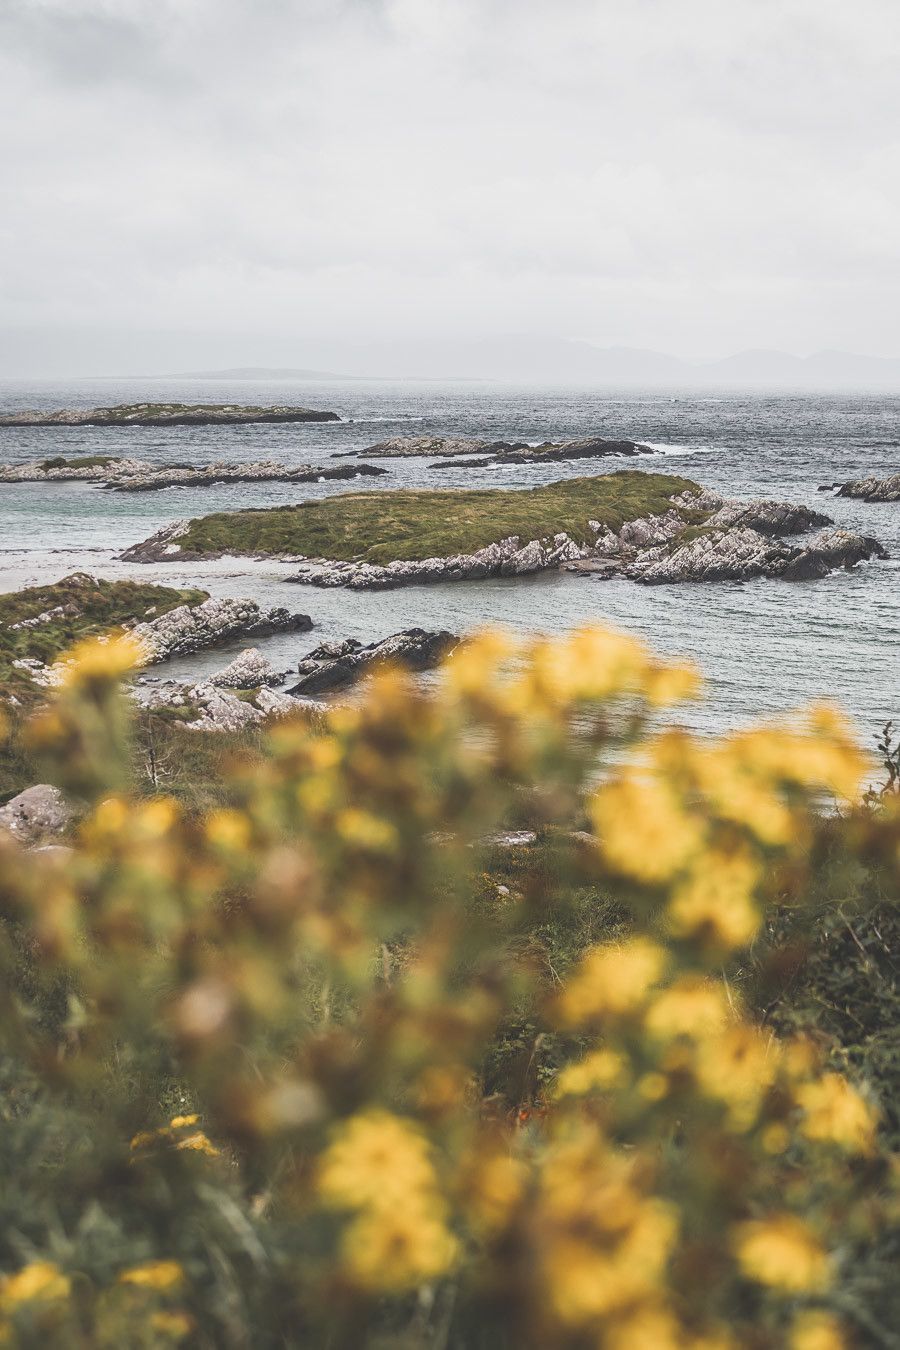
(764, 647)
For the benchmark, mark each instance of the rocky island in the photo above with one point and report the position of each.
(165, 415)
(137, 475)
(497, 452)
(646, 527)
(872, 489)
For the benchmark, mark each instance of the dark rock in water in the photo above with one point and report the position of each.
(334, 665)
(404, 447)
(872, 489)
(165, 415)
(770, 518)
(592, 447)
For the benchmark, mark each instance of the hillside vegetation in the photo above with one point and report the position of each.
(322, 1063)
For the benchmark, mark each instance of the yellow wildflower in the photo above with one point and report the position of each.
(692, 1006)
(183, 1122)
(737, 1067)
(199, 1143)
(474, 665)
(815, 1330)
(836, 1114)
(228, 829)
(41, 1281)
(612, 979)
(492, 1187)
(643, 829)
(375, 1159)
(99, 660)
(158, 1275)
(715, 903)
(173, 1323)
(647, 1328)
(783, 1253)
(600, 1069)
(399, 1247)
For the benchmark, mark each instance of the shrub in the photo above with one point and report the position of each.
(314, 1068)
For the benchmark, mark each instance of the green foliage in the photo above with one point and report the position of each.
(379, 527)
(82, 462)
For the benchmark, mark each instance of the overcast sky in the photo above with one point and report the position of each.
(258, 181)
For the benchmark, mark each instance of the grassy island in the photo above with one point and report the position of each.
(407, 525)
(43, 621)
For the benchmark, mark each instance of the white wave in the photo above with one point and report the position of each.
(667, 448)
(366, 421)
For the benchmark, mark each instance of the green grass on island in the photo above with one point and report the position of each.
(407, 525)
(89, 607)
(81, 462)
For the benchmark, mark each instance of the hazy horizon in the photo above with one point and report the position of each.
(316, 183)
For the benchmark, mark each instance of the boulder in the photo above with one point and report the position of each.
(333, 665)
(193, 628)
(250, 670)
(770, 518)
(872, 489)
(39, 813)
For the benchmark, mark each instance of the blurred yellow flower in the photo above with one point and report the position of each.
(816, 1330)
(398, 1248)
(783, 1253)
(153, 1275)
(611, 979)
(375, 1159)
(199, 1143)
(172, 1323)
(643, 829)
(715, 904)
(39, 1281)
(835, 1113)
(691, 1006)
(600, 1069)
(99, 660)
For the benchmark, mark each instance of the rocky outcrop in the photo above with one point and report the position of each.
(135, 475)
(507, 558)
(593, 447)
(334, 665)
(37, 814)
(872, 489)
(405, 447)
(165, 415)
(194, 628)
(767, 517)
(741, 553)
(162, 546)
(207, 707)
(250, 670)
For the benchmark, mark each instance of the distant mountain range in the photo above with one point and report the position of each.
(561, 361)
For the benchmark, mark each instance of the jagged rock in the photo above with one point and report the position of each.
(766, 517)
(135, 475)
(165, 415)
(250, 670)
(401, 447)
(38, 813)
(193, 628)
(831, 549)
(591, 447)
(507, 557)
(219, 710)
(162, 546)
(334, 665)
(872, 489)
(740, 553)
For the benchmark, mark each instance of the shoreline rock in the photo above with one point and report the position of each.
(38, 813)
(195, 628)
(593, 447)
(334, 665)
(408, 447)
(165, 415)
(135, 475)
(872, 489)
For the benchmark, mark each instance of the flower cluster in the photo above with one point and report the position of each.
(447, 1110)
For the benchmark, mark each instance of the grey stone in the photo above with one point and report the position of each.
(38, 813)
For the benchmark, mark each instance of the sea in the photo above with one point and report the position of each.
(766, 648)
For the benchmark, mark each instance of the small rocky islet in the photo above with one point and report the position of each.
(136, 475)
(165, 415)
(871, 489)
(469, 452)
(649, 528)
